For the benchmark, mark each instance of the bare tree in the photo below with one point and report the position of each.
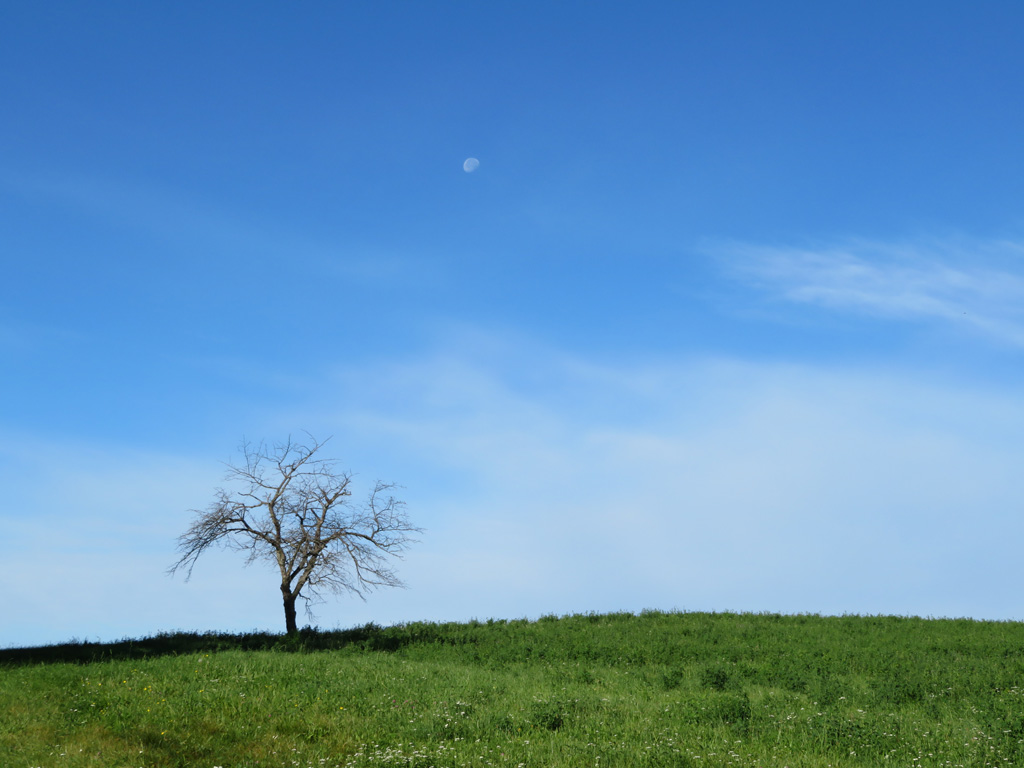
(295, 509)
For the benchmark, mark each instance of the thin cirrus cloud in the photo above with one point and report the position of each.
(710, 485)
(975, 285)
(793, 488)
(160, 214)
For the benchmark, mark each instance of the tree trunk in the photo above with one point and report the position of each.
(289, 611)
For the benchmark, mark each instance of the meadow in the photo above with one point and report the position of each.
(656, 689)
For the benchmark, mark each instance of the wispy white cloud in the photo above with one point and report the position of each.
(976, 285)
(88, 532)
(170, 216)
(550, 483)
(706, 485)
(21, 336)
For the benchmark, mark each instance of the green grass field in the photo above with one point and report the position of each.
(659, 689)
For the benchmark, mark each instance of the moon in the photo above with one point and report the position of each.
(470, 165)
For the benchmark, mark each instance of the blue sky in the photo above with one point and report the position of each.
(730, 316)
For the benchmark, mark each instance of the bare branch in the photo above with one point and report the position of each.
(293, 507)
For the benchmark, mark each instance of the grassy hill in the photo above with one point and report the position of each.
(659, 689)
